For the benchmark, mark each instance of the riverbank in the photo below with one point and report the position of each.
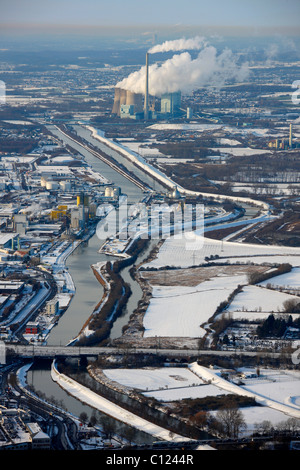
(87, 396)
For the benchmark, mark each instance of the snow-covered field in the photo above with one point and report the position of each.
(240, 151)
(154, 379)
(183, 253)
(165, 384)
(289, 280)
(272, 389)
(180, 310)
(277, 391)
(256, 299)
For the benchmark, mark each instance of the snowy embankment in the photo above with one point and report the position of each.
(260, 398)
(148, 168)
(96, 401)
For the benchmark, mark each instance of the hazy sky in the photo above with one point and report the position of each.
(253, 13)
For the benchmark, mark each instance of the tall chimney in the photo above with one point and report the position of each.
(291, 136)
(146, 106)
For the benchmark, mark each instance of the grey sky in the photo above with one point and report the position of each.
(254, 13)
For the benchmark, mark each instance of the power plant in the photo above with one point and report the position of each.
(283, 144)
(131, 105)
(126, 98)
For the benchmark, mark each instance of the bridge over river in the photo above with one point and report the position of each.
(36, 351)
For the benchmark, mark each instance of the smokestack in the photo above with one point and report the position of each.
(146, 106)
(291, 136)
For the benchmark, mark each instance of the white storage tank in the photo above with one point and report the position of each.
(65, 185)
(109, 192)
(52, 185)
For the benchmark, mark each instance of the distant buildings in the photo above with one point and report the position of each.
(283, 144)
(129, 105)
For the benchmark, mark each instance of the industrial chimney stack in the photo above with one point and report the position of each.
(291, 136)
(146, 105)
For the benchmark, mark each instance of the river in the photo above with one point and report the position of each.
(88, 290)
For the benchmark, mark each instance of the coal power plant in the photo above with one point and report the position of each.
(128, 104)
(127, 99)
(131, 105)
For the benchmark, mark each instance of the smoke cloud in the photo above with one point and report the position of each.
(185, 74)
(179, 45)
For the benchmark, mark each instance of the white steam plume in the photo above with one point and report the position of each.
(179, 45)
(186, 74)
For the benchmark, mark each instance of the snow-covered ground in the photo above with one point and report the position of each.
(289, 280)
(256, 299)
(178, 311)
(185, 252)
(100, 403)
(166, 384)
(276, 391)
(240, 151)
(149, 378)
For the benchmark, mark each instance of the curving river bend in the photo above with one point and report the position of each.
(88, 289)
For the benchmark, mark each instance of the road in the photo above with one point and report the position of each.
(31, 351)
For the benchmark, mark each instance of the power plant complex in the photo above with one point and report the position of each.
(131, 105)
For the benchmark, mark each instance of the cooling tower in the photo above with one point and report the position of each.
(116, 106)
(135, 99)
(120, 98)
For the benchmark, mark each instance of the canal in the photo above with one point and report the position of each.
(88, 290)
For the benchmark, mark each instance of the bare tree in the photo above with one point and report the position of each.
(231, 420)
(264, 427)
(108, 426)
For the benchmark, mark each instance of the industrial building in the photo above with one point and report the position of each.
(18, 433)
(131, 108)
(287, 143)
(170, 103)
(130, 105)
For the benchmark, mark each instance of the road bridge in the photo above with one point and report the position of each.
(39, 351)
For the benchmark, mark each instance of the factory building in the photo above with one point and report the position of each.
(128, 104)
(170, 103)
(282, 144)
(132, 108)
